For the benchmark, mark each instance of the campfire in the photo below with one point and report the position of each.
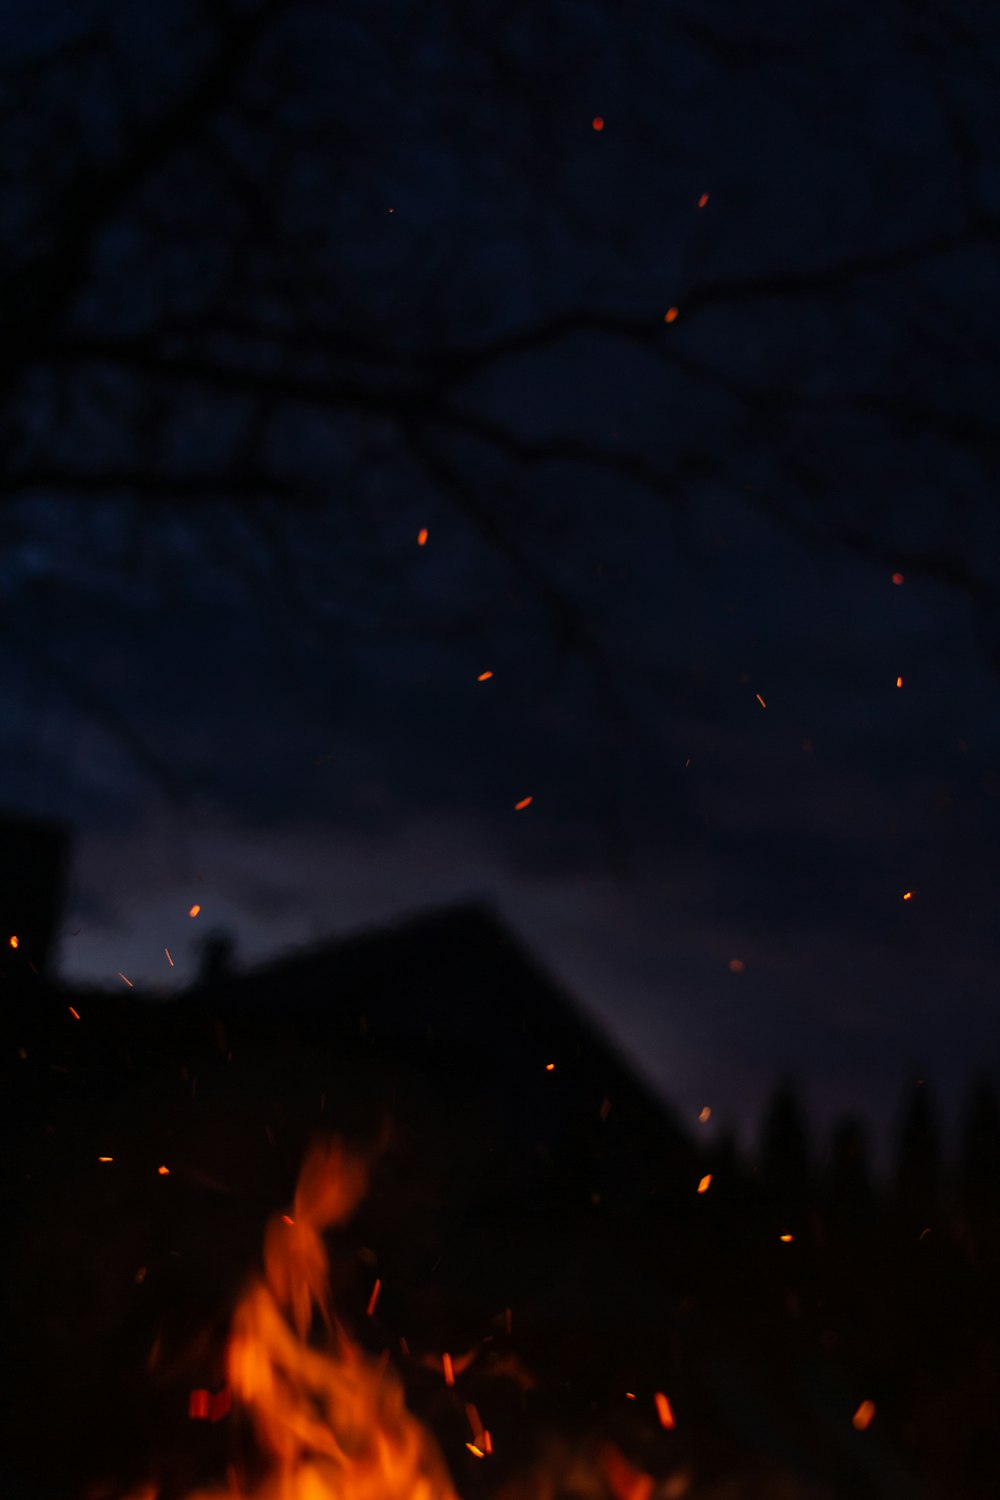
(329, 1421)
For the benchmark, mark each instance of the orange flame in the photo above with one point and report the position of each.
(332, 1422)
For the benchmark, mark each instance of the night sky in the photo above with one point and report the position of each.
(436, 298)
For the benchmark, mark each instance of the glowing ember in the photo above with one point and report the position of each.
(705, 1183)
(422, 537)
(705, 1114)
(760, 700)
(550, 1067)
(484, 676)
(163, 1171)
(899, 682)
(863, 1416)
(193, 912)
(448, 1368)
(373, 1299)
(597, 123)
(14, 941)
(663, 1410)
(670, 316)
(105, 1158)
(786, 1239)
(907, 895)
(736, 966)
(897, 578)
(524, 802)
(127, 981)
(73, 1012)
(169, 959)
(703, 200)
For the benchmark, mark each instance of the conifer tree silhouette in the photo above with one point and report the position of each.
(784, 1156)
(979, 1167)
(918, 1157)
(848, 1187)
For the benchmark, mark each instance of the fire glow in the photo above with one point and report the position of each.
(331, 1423)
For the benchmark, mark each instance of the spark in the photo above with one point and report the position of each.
(907, 895)
(194, 910)
(705, 1114)
(487, 1440)
(736, 966)
(422, 537)
(703, 200)
(285, 1219)
(476, 1452)
(163, 1171)
(705, 1183)
(484, 676)
(127, 981)
(597, 123)
(670, 316)
(550, 1067)
(897, 579)
(524, 802)
(663, 1411)
(105, 1158)
(169, 959)
(760, 700)
(74, 1013)
(786, 1239)
(899, 682)
(448, 1368)
(863, 1416)
(15, 941)
(373, 1299)
(630, 1395)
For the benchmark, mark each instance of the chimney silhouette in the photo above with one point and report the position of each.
(34, 856)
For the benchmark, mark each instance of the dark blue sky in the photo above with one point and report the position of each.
(307, 679)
